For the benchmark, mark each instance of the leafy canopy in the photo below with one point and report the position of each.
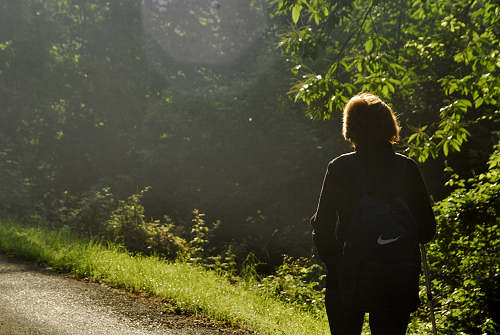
(437, 62)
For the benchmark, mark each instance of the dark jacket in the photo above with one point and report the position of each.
(341, 191)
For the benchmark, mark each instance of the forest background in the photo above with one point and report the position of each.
(143, 122)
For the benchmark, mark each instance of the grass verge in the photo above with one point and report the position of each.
(192, 288)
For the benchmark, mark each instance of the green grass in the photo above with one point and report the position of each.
(192, 288)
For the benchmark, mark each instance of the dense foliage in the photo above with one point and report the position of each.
(89, 100)
(466, 254)
(100, 100)
(437, 62)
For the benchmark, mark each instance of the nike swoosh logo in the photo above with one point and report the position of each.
(382, 241)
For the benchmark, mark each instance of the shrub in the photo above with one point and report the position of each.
(96, 215)
(466, 254)
(200, 235)
(87, 214)
(299, 281)
(224, 263)
(128, 226)
(126, 223)
(161, 240)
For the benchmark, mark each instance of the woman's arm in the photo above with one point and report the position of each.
(325, 218)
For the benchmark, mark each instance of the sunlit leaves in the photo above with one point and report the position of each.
(449, 136)
(452, 43)
(296, 13)
(5, 45)
(465, 253)
(309, 10)
(66, 52)
(322, 95)
(302, 44)
(477, 88)
(297, 281)
(369, 46)
(421, 146)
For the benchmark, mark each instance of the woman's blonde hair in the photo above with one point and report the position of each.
(367, 119)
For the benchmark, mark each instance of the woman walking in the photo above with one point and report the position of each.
(373, 212)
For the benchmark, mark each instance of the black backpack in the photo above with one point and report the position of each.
(379, 263)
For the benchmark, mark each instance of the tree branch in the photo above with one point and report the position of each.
(354, 34)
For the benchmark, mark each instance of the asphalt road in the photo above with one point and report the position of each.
(34, 300)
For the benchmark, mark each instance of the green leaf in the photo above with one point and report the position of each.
(452, 88)
(359, 66)
(296, 13)
(385, 91)
(455, 144)
(445, 148)
(369, 46)
(478, 102)
(462, 104)
(466, 102)
(459, 57)
(412, 137)
(391, 87)
(316, 18)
